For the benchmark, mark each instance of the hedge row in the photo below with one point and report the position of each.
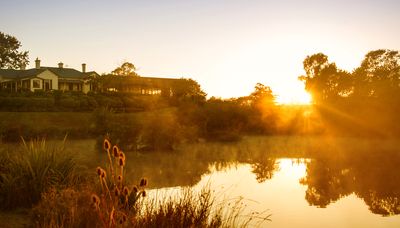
(80, 102)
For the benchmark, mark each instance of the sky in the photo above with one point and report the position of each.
(226, 46)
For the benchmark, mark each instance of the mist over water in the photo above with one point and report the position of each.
(300, 180)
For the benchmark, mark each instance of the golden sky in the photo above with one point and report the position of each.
(227, 46)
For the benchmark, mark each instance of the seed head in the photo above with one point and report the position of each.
(103, 174)
(143, 182)
(119, 178)
(116, 192)
(126, 191)
(121, 154)
(144, 193)
(99, 170)
(107, 144)
(134, 189)
(121, 161)
(95, 201)
(115, 150)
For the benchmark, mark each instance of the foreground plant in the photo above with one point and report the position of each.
(117, 203)
(32, 169)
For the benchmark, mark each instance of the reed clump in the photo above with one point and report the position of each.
(32, 169)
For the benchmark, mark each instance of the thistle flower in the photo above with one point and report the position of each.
(116, 192)
(115, 150)
(143, 182)
(95, 201)
(121, 161)
(103, 174)
(107, 144)
(121, 154)
(125, 191)
(99, 170)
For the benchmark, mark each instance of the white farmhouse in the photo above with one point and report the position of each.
(47, 78)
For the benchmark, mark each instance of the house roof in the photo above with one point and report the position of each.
(60, 72)
(11, 73)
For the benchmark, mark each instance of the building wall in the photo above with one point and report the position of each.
(50, 76)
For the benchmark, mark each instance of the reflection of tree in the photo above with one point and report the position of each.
(264, 169)
(325, 184)
(372, 178)
(381, 204)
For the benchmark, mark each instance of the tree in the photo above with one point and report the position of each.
(188, 89)
(126, 69)
(10, 57)
(262, 93)
(263, 109)
(379, 75)
(324, 80)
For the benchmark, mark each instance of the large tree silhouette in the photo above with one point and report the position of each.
(10, 56)
(362, 102)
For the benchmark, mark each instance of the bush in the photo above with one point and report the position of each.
(28, 173)
(65, 208)
(26, 104)
(161, 132)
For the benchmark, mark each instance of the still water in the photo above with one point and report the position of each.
(286, 198)
(300, 181)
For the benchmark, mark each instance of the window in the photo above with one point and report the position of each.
(36, 84)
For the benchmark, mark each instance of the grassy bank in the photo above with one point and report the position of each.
(55, 125)
(44, 124)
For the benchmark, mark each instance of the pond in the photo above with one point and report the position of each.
(300, 181)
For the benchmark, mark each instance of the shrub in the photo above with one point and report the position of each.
(28, 173)
(161, 132)
(26, 104)
(123, 129)
(65, 208)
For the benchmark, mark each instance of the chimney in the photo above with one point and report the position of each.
(60, 65)
(37, 63)
(23, 67)
(83, 67)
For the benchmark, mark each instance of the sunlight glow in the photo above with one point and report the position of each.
(294, 97)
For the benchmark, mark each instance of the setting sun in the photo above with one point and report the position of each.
(300, 98)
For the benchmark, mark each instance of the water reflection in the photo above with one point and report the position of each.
(372, 177)
(264, 169)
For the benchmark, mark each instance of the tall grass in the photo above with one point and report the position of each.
(30, 170)
(190, 209)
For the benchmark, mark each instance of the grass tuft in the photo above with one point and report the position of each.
(32, 169)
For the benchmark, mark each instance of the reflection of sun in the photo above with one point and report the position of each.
(294, 97)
